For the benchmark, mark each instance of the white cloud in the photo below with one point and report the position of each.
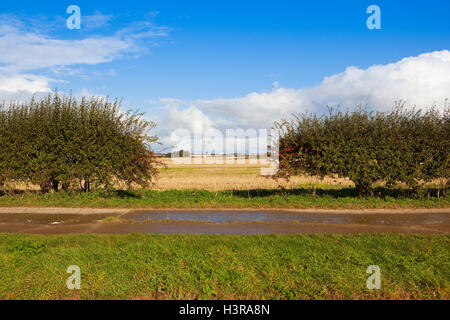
(176, 118)
(25, 82)
(24, 50)
(95, 21)
(89, 94)
(422, 81)
(419, 81)
(19, 96)
(22, 87)
(189, 118)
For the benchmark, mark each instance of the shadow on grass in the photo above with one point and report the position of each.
(125, 194)
(346, 192)
(378, 192)
(101, 193)
(17, 192)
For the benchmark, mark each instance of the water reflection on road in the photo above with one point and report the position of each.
(288, 216)
(226, 222)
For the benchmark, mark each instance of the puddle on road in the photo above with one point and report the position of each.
(51, 219)
(225, 222)
(394, 219)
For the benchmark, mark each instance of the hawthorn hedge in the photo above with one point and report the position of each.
(399, 146)
(61, 142)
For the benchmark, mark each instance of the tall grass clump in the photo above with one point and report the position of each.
(399, 146)
(60, 142)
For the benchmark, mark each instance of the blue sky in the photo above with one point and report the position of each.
(219, 52)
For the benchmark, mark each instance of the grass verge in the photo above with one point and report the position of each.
(257, 198)
(137, 266)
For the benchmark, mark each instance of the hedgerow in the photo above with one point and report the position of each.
(61, 142)
(400, 146)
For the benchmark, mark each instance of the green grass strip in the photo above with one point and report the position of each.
(260, 198)
(138, 266)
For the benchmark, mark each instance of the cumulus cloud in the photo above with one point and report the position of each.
(24, 82)
(20, 96)
(22, 87)
(420, 81)
(179, 121)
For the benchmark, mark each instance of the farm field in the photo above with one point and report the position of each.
(229, 186)
(313, 265)
(217, 177)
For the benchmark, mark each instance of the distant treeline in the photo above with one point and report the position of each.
(61, 142)
(400, 146)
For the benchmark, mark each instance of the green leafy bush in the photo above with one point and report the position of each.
(60, 142)
(402, 145)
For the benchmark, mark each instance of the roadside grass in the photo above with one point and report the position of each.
(302, 197)
(138, 266)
